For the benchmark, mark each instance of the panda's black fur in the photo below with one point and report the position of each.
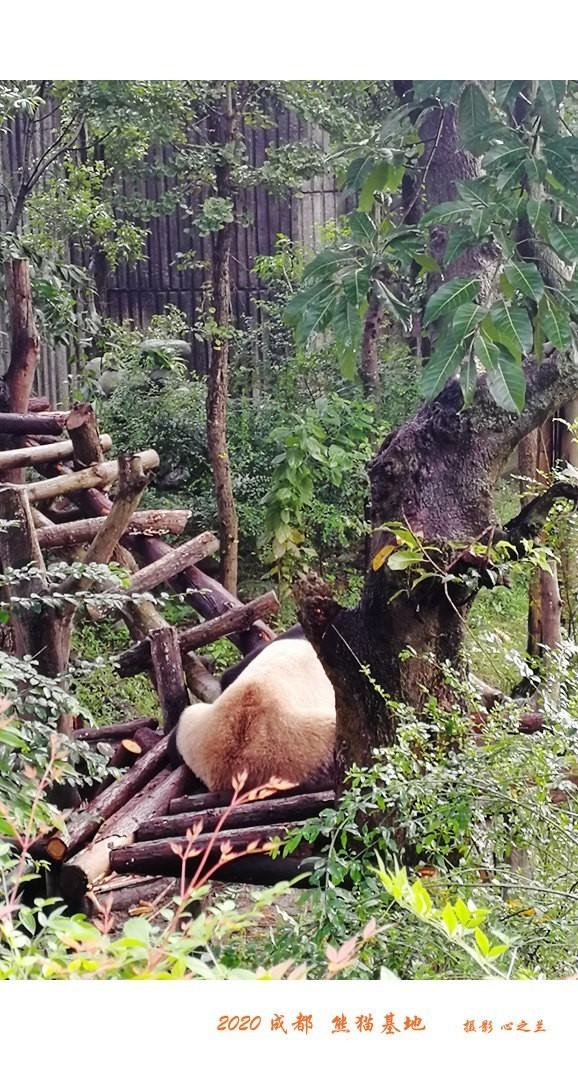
(235, 670)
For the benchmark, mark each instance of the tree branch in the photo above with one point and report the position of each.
(528, 523)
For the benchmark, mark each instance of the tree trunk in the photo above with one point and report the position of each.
(536, 457)
(369, 354)
(436, 475)
(568, 570)
(24, 343)
(223, 131)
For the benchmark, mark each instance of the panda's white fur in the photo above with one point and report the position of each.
(276, 719)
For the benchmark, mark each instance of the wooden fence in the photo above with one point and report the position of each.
(139, 291)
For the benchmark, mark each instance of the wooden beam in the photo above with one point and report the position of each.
(98, 476)
(205, 595)
(260, 812)
(83, 824)
(94, 862)
(29, 456)
(168, 674)
(206, 800)
(149, 857)
(173, 562)
(32, 423)
(137, 658)
(115, 732)
(70, 534)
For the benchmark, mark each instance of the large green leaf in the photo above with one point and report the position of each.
(553, 90)
(447, 213)
(468, 378)
(510, 326)
(396, 308)
(507, 91)
(525, 277)
(358, 171)
(473, 117)
(450, 296)
(459, 239)
(384, 177)
(363, 228)
(506, 381)
(466, 319)
(564, 240)
(555, 324)
(443, 363)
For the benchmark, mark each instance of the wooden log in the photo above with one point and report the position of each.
(260, 812)
(142, 893)
(83, 824)
(97, 476)
(38, 404)
(94, 862)
(203, 686)
(169, 675)
(207, 800)
(173, 562)
(32, 423)
(137, 658)
(206, 595)
(83, 531)
(82, 428)
(166, 856)
(39, 634)
(29, 456)
(132, 480)
(116, 732)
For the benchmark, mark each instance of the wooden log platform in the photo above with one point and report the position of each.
(261, 812)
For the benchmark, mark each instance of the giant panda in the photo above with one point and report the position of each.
(235, 670)
(277, 719)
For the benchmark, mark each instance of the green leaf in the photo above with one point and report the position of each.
(401, 560)
(482, 941)
(449, 297)
(525, 277)
(513, 327)
(468, 378)
(427, 263)
(446, 213)
(363, 228)
(473, 117)
(357, 172)
(384, 177)
(441, 366)
(556, 324)
(505, 377)
(507, 91)
(12, 738)
(564, 240)
(553, 90)
(504, 155)
(460, 238)
(396, 308)
(466, 319)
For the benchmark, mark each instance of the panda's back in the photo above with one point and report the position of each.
(276, 719)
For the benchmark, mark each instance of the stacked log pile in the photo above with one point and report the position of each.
(142, 823)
